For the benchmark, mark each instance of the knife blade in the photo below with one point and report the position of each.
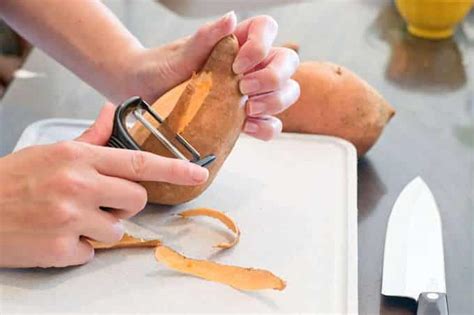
(413, 256)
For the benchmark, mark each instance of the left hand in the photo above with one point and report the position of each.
(266, 70)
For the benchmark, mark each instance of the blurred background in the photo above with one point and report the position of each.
(430, 64)
(13, 51)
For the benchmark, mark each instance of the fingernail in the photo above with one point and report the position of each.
(248, 86)
(199, 174)
(243, 100)
(250, 127)
(256, 108)
(228, 15)
(119, 227)
(240, 65)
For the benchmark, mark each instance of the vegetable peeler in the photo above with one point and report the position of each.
(137, 107)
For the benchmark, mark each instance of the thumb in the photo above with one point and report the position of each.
(99, 132)
(198, 47)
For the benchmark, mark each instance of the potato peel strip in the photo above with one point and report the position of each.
(127, 241)
(237, 277)
(218, 215)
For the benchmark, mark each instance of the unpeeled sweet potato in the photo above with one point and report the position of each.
(208, 113)
(334, 101)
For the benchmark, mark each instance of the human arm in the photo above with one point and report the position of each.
(88, 39)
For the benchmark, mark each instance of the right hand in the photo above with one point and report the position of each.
(50, 195)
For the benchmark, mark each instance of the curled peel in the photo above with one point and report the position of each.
(127, 241)
(237, 277)
(218, 215)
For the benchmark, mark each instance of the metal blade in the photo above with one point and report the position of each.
(413, 258)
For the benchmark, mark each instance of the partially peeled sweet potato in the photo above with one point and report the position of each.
(334, 101)
(207, 111)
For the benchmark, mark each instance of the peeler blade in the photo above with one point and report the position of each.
(154, 131)
(137, 107)
(205, 161)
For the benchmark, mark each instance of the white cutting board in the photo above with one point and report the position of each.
(294, 199)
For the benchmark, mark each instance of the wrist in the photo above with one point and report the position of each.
(126, 78)
(136, 75)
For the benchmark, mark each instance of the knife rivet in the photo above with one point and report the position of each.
(432, 296)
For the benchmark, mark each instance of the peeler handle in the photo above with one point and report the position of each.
(120, 137)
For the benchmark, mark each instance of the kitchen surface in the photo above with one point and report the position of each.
(429, 83)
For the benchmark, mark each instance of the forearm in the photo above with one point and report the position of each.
(83, 35)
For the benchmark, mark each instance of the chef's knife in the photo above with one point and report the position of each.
(413, 260)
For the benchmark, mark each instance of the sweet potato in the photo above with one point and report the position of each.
(209, 113)
(334, 101)
(218, 215)
(163, 106)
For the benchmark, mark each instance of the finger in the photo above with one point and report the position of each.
(99, 133)
(126, 196)
(265, 128)
(187, 55)
(36, 250)
(43, 250)
(256, 36)
(199, 46)
(67, 251)
(281, 65)
(274, 102)
(83, 254)
(102, 226)
(145, 166)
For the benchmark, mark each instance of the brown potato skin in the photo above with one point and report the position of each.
(336, 102)
(214, 129)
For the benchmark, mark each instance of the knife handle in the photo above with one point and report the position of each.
(432, 303)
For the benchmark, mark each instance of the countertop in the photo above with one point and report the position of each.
(432, 135)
